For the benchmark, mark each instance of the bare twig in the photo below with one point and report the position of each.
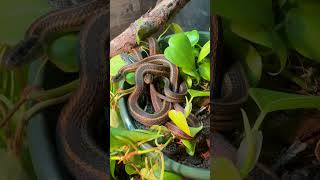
(149, 23)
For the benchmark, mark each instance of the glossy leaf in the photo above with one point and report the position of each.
(197, 93)
(249, 11)
(120, 137)
(250, 148)
(130, 78)
(116, 63)
(190, 146)
(269, 100)
(195, 130)
(63, 53)
(180, 51)
(260, 35)
(189, 81)
(303, 29)
(253, 65)
(205, 50)
(246, 53)
(223, 169)
(204, 70)
(179, 120)
(192, 72)
(193, 37)
(115, 119)
(112, 168)
(130, 170)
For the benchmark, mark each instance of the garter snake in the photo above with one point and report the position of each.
(78, 149)
(146, 70)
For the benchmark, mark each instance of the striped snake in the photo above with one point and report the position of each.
(77, 146)
(156, 66)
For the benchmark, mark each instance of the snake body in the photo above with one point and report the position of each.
(156, 66)
(230, 85)
(76, 140)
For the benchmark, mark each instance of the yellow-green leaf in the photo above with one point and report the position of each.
(190, 146)
(179, 120)
(176, 28)
(205, 50)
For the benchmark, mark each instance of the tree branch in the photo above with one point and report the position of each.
(146, 25)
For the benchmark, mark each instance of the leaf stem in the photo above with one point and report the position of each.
(259, 121)
(53, 93)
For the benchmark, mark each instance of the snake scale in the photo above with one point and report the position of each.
(77, 146)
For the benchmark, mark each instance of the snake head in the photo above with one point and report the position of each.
(25, 51)
(148, 78)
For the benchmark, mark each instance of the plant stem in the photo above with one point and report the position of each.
(12, 111)
(53, 93)
(30, 113)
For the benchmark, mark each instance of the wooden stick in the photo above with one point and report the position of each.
(146, 25)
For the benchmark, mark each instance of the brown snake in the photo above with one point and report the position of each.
(77, 146)
(156, 65)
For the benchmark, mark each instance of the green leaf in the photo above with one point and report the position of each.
(193, 37)
(250, 148)
(253, 65)
(246, 53)
(171, 176)
(112, 168)
(120, 137)
(22, 13)
(204, 70)
(190, 146)
(205, 50)
(179, 120)
(269, 100)
(194, 130)
(187, 108)
(196, 52)
(189, 81)
(249, 11)
(303, 28)
(260, 35)
(116, 63)
(180, 52)
(62, 53)
(130, 170)
(192, 72)
(115, 119)
(130, 78)
(249, 152)
(176, 28)
(223, 169)
(197, 93)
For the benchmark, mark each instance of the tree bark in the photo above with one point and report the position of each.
(146, 25)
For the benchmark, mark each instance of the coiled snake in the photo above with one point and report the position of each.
(156, 66)
(77, 147)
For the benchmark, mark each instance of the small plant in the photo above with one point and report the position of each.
(147, 163)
